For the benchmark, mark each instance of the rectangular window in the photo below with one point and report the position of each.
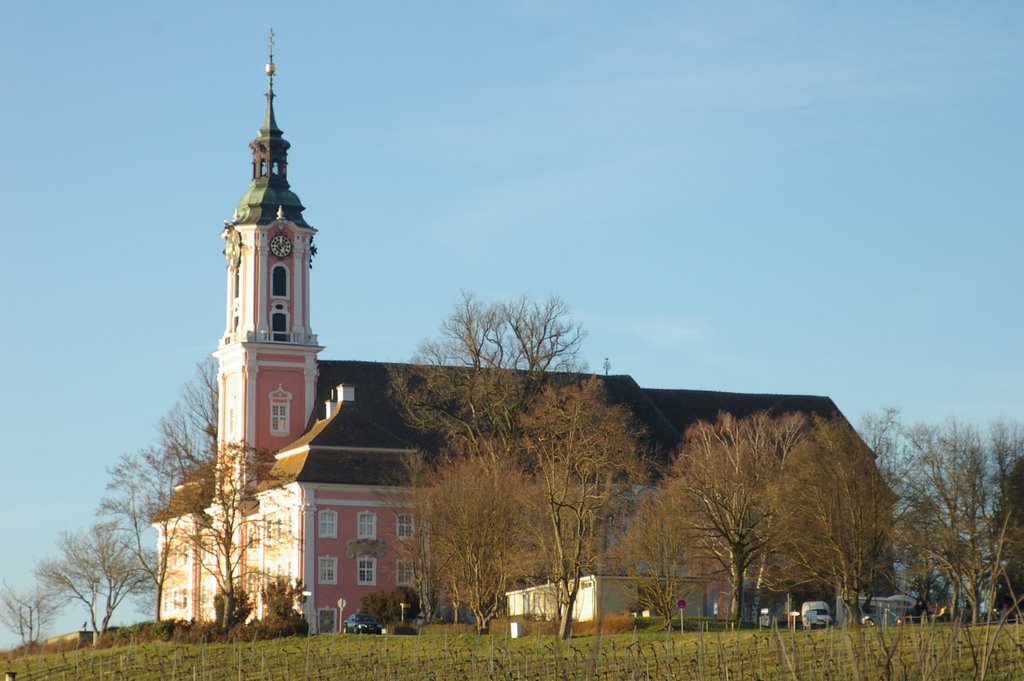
(367, 525)
(367, 570)
(404, 575)
(404, 528)
(327, 620)
(328, 524)
(279, 417)
(328, 570)
(274, 532)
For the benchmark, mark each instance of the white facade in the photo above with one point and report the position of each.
(598, 596)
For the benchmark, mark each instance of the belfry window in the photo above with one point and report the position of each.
(279, 281)
(279, 324)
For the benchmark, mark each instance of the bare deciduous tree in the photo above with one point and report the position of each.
(223, 519)
(142, 485)
(472, 384)
(583, 454)
(656, 550)
(839, 519)
(188, 432)
(475, 520)
(915, 572)
(140, 491)
(955, 495)
(1011, 507)
(428, 564)
(95, 568)
(26, 612)
(730, 472)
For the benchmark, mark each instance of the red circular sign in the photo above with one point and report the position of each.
(681, 603)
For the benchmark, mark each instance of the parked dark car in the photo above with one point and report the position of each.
(362, 623)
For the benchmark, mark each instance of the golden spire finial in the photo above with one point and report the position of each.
(271, 69)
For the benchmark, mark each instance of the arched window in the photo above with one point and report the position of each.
(279, 281)
(237, 283)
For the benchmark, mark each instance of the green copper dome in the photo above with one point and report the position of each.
(269, 190)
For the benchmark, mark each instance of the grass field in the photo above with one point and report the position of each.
(945, 651)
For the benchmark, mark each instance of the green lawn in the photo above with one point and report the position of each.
(913, 652)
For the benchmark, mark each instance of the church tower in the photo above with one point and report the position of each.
(267, 356)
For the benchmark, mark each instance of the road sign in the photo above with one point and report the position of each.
(341, 604)
(681, 603)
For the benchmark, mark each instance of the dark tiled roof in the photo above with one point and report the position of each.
(683, 408)
(362, 443)
(662, 435)
(374, 420)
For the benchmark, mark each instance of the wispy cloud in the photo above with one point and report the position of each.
(661, 330)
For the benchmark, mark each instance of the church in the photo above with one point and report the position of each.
(328, 522)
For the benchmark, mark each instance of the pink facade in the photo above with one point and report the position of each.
(361, 556)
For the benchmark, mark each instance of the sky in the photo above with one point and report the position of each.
(778, 197)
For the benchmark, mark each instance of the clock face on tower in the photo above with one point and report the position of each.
(281, 245)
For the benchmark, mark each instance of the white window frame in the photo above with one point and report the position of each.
(366, 571)
(327, 570)
(328, 523)
(280, 411)
(405, 573)
(287, 282)
(366, 525)
(280, 335)
(404, 527)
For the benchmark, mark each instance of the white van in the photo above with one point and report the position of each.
(815, 614)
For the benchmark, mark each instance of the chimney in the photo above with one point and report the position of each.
(343, 393)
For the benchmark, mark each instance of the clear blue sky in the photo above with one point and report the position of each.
(819, 198)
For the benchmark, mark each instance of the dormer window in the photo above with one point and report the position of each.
(279, 281)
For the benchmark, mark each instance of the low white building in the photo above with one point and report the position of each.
(598, 596)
